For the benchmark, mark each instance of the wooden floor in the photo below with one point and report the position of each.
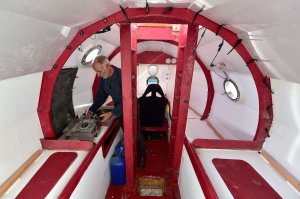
(156, 165)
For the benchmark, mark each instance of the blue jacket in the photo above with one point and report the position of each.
(110, 87)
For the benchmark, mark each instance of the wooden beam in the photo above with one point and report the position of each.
(18, 173)
(283, 172)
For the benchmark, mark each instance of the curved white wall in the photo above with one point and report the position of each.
(20, 129)
(284, 141)
(235, 120)
(199, 90)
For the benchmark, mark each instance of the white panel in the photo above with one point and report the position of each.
(279, 47)
(226, 115)
(195, 128)
(284, 143)
(20, 129)
(198, 95)
(188, 183)
(275, 180)
(96, 179)
(29, 45)
(253, 14)
(82, 90)
(66, 12)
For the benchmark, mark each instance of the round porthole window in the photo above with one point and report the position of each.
(152, 70)
(91, 54)
(152, 80)
(231, 90)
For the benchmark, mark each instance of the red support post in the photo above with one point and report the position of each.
(128, 62)
(178, 80)
(185, 89)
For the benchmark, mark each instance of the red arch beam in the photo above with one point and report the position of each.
(177, 15)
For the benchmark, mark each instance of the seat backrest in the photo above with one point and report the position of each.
(152, 108)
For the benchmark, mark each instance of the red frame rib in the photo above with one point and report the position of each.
(128, 62)
(184, 89)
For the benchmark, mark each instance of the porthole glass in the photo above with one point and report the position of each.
(91, 54)
(231, 90)
(152, 70)
(152, 80)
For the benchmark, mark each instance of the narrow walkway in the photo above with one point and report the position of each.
(156, 166)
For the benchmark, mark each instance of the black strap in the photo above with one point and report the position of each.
(125, 14)
(235, 45)
(219, 49)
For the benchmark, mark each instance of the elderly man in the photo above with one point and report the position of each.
(110, 85)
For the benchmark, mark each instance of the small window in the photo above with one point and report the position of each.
(152, 80)
(231, 90)
(91, 54)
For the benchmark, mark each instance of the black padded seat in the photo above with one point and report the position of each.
(152, 108)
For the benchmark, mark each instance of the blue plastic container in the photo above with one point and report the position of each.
(117, 166)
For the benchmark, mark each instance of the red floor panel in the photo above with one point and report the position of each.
(243, 181)
(47, 176)
(156, 164)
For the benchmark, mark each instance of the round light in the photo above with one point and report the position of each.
(91, 54)
(168, 61)
(152, 70)
(174, 61)
(231, 90)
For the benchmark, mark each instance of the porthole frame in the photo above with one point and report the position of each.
(236, 88)
(83, 60)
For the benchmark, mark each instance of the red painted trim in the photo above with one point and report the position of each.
(66, 144)
(153, 57)
(210, 88)
(178, 80)
(128, 62)
(177, 15)
(157, 33)
(73, 182)
(227, 144)
(185, 89)
(201, 174)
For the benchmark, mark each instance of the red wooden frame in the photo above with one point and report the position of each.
(155, 14)
(184, 89)
(129, 62)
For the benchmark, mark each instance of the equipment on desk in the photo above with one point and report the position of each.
(82, 128)
(85, 128)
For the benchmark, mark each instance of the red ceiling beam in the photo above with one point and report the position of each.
(182, 92)
(157, 33)
(128, 61)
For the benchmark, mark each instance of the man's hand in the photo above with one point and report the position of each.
(105, 117)
(88, 114)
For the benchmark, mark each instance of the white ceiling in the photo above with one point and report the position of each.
(34, 33)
